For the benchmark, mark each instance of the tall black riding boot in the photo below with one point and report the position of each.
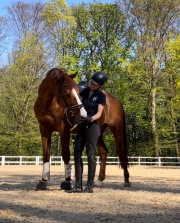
(78, 175)
(91, 174)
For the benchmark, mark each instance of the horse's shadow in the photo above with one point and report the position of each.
(28, 183)
(161, 185)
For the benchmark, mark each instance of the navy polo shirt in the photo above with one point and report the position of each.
(91, 104)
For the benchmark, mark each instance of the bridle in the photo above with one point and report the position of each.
(70, 110)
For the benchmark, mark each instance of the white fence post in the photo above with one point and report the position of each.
(62, 162)
(98, 160)
(139, 160)
(20, 160)
(3, 161)
(37, 160)
(159, 159)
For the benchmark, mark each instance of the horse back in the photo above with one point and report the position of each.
(113, 112)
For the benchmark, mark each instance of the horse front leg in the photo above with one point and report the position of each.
(65, 140)
(46, 144)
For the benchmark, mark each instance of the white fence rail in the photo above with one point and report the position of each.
(58, 160)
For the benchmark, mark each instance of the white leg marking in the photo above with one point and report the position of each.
(46, 171)
(82, 110)
(68, 168)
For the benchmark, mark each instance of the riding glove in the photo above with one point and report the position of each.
(86, 120)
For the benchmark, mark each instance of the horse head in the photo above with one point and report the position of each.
(67, 93)
(58, 95)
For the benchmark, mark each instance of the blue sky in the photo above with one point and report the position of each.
(5, 3)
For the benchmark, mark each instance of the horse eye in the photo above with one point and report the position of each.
(68, 95)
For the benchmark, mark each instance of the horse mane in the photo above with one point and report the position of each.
(56, 71)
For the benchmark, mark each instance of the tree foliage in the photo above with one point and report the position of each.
(101, 33)
(154, 23)
(135, 42)
(59, 23)
(18, 95)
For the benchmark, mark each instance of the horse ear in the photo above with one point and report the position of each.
(73, 75)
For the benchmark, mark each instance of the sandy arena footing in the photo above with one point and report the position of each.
(154, 197)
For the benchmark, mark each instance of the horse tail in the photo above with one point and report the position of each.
(125, 138)
(124, 160)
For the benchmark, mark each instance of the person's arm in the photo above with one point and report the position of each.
(99, 113)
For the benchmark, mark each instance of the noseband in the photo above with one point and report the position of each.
(71, 111)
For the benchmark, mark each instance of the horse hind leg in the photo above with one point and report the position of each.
(103, 157)
(121, 149)
(126, 174)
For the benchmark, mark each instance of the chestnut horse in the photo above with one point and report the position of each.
(56, 103)
(57, 96)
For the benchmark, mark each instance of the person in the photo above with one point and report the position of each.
(93, 100)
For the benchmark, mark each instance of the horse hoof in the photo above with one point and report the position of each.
(127, 184)
(98, 184)
(41, 185)
(66, 185)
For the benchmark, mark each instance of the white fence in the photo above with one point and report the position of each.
(58, 160)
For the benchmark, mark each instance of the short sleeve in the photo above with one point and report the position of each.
(102, 99)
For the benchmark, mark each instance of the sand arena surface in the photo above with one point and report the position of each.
(153, 197)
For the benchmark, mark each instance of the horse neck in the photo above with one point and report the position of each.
(48, 90)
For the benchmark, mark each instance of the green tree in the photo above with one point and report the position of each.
(20, 80)
(153, 22)
(19, 90)
(101, 33)
(102, 43)
(172, 63)
(59, 23)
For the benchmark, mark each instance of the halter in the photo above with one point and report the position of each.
(70, 110)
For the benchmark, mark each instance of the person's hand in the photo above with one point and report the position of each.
(88, 120)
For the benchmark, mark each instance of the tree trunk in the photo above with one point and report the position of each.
(174, 130)
(176, 141)
(157, 151)
(154, 123)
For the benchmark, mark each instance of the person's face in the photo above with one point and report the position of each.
(94, 86)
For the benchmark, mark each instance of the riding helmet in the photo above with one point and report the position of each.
(99, 78)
